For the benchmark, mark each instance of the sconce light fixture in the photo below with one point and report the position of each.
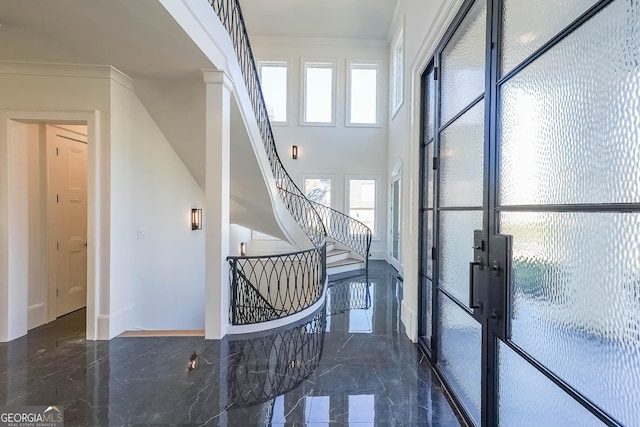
(196, 219)
(294, 152)
(243, 249)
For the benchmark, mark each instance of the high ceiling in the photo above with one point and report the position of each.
(336, 19)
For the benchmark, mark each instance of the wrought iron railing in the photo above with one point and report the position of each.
(265, 367)
(249, 305)
(298, 205)
(275, 285)
(280, 285)
(346, 230)
(351, 294)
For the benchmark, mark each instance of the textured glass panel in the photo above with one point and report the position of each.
(526, 398)
(462, 160)
(430, 99)
(575, 296)
(528, 25)
(460, 344)
(570, 121)
(427, 294)
(463, 63)
(429, 271)
(456, 250)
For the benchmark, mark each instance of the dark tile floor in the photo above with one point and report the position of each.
(349, 365)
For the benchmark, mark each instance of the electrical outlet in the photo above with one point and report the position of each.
(141, 233)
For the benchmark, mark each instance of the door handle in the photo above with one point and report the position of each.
(472, 299)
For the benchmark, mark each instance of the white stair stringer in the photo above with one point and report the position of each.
(200, 22)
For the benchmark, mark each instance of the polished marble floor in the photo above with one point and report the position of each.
(348, 364)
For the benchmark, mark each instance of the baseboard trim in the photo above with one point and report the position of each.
(409, 319)
(37, 315)
(160, 333)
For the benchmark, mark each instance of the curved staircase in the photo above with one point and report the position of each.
(266, 288)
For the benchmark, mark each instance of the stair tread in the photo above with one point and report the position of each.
(342, 262)
(337, 252)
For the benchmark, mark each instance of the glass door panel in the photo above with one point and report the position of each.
(463, 63)
(456, 251)
(569, 195)
(395, 228)
(462, 160)
(460, 344)
(571, 117)
(527, 26)
(528, 399)
(459, 148)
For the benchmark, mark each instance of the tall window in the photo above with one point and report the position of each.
(362, 97)
(318, 190)
(397, 72)
(273, 79)
(319, 90)
(362, 201)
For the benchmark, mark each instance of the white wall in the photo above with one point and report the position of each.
(157, 282)
(39, 90)
(138, 181)
(237, 235)
(424, 24)
(338, 150)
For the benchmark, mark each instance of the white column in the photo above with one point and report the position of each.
(216, 210)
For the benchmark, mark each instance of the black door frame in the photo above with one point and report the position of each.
(494, 327)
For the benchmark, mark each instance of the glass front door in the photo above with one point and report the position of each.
(395, 219)
(530, 212)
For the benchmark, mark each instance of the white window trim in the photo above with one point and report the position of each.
(377, 236)
(329, 176)
(287, 63)
(326, 63)
(398, 43)
(371, 64)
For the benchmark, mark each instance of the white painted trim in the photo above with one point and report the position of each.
(37, 315)
(409, 319)
(287, 64)
(363, 64)
(119, 321)
(311, 41)
(443, 19)
(319, 63)
(95, 245)
(259, 327)
(399, 38)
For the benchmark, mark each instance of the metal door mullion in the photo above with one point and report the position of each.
(456, 301)
(584, 207)
(489, 342)
(465, 109)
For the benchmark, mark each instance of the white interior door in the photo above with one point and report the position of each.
(67, 155)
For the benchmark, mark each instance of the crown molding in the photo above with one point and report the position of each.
(50, 69)
(312, 41)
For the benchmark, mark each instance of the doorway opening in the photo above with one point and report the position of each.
(53, 180)
(395, 222)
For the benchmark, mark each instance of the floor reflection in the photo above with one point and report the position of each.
(264, 367)
(361, 371)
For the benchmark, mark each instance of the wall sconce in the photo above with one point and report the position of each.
(196, 219)
(294, 152)
(243, 249)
